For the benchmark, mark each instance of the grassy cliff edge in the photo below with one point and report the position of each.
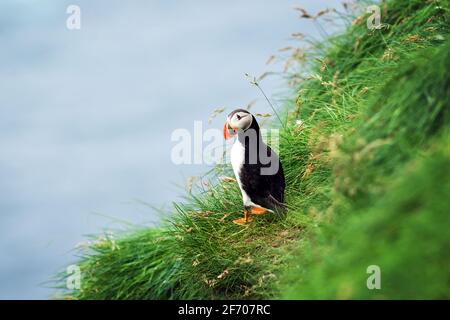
(368, 181)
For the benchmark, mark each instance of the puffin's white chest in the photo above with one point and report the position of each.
(237, 158)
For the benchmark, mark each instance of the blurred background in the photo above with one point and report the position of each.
(86, 115)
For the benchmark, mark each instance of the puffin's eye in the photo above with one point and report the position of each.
(238, 117)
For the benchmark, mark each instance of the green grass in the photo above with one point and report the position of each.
(367, 183)
(405, 233)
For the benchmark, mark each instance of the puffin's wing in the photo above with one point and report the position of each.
(274, 204)
(277, 181)
(269, 202)
(277, 184)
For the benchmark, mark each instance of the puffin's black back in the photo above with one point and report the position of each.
(264, 190)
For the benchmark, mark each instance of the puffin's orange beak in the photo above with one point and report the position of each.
(226, 132)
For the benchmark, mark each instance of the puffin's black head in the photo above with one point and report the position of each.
(238, 119)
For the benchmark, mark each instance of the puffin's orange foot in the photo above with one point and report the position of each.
(243, 221)
(257, 210)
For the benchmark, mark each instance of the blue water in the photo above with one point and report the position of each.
(86, 115)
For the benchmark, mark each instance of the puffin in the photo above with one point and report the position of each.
(256, 166)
